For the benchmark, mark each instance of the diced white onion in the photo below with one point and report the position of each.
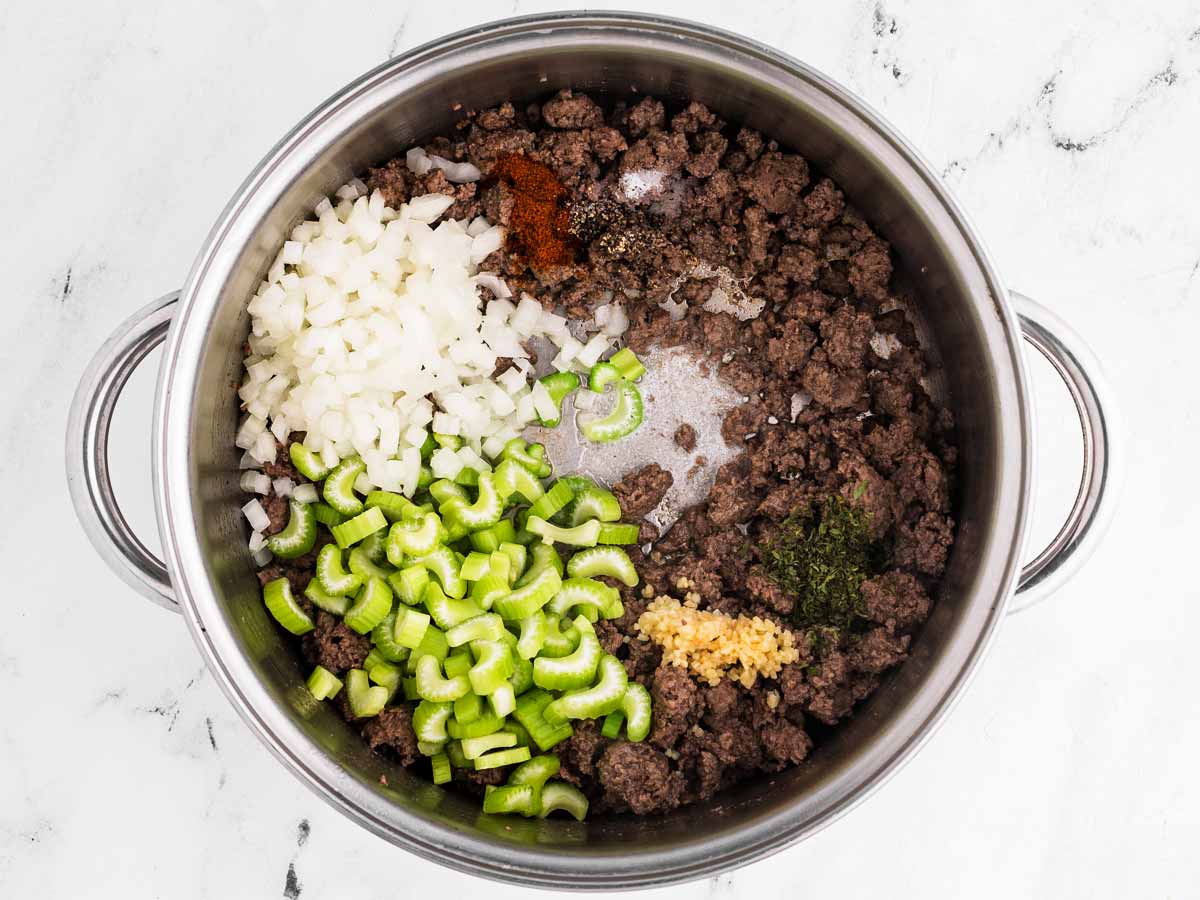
(472, 460)
(593, 350)
(487, 243)
(257, 541)
(493, 283)
(418, 161)
(255, 482)
(256, 515)
(527, 316)
(457, 172)
(543, 403)
(445, 463)
(262, 557)
(429, 207)
(283, 486)
(369, 332)
(443, 423)
(618, 321)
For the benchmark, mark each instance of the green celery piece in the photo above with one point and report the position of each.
(277, 596)
(298, 536)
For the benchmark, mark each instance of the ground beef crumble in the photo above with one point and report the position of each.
(824, 414)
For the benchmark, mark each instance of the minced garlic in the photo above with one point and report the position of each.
(713, 645)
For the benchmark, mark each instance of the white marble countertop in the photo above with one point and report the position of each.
(1068, 130)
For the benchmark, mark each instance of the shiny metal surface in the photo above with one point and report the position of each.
(1100, 481)
(87, 451)
(965, 308)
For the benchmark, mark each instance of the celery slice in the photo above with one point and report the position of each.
(440, 764)
(322, 599)
(339, 486)
(298, 536)
(509, 798)
(322, 683)
(277, 595)
(628, 364)
(307, 463)
(361, 526)
(475, 747)
(618, 533)
(502, 758)
(332, 574)
(594, 702)
(432, 686)
(636, 707)
(558, 795)
(576, 669)
(373, 604)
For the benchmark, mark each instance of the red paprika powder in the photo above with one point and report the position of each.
(538, 232)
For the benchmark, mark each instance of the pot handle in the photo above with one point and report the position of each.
(1099, 486)
(87, 451)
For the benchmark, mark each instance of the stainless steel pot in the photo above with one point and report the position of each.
(208, 577)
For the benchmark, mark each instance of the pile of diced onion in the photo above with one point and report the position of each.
(369, 332)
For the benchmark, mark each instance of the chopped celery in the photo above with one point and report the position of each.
(432, 686)
(475, 747)
(559, 495)
(636, 707)
(475, 566)
(591, 702)
(393, 506)
(361, 526)
(559, 385)
(560, 795)
(322, 599)
(322, 683)
(501, 758)
(277, 596)
(371, 606)
(298, 536)
(611, 561)
(618, 533)
(365, 700)
(409, 630)
(332, 574)
(440, 764)
(601, 376)
(339, 486)
(307, 463)
(623, 419)
(576, 669)
(509, 798)
(584, 535)
(628, 364)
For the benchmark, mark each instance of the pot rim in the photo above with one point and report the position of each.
(513, 863)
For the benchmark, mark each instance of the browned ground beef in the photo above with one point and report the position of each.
(685, 437)
(825, 414)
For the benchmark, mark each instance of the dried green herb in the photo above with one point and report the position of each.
(822, 555)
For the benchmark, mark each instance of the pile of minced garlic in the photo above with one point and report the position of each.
(713, 645)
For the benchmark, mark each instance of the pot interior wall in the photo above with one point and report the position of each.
(414, 101)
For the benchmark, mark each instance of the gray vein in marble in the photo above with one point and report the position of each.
(291, 884)
(211, 739)
(886, 29)
(1164, 78)
(398, 36)
(1041, 113)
